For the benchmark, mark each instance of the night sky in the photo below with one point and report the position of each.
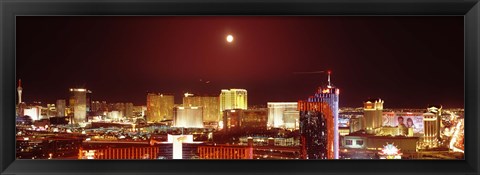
(407, 61)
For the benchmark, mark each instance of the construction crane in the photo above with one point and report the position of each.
(317, 72)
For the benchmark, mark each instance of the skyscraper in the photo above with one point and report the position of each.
(60, 108)
(78, 102)
(431, 124)
(437, 110)
(319, 123)
(128, 110)
(430, 130)
(19, 90)
(233, 99)
(372, 112)
(209, 104)
(159, 107)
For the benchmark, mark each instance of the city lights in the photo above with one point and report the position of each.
(234, 89)
(240, 132)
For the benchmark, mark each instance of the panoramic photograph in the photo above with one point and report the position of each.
(240, 87)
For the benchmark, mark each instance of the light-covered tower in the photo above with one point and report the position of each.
(431, 121)
(233, 99)
(19, 90)
(210, 106)
(319, 123)
(159, 107)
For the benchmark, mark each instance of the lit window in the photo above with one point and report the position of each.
(348, 142)
(359, 142)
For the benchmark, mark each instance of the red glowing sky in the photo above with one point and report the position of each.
(408, 61)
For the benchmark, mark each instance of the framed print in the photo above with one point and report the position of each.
(312, 87)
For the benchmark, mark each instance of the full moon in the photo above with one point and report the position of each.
(229, 38)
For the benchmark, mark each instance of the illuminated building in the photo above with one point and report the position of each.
(373, 114)
(139, 111)
(241, 119)
(437, 110)
(114, 115)
(188, 117)
(319, 124)
(178, 147)
(177, 143)
(125, 109)
(21, 108)
(88, 101)
(291, 120)
(128, 110)
(99, 107)
(159, 107)
(34, 112)
(233, 99)
(283, 115)
(137, 152)
(120, 107)
(21, 105)
(19, 90)
(263, 141)
(254, 119)
(356, 124)
(60, 108)
(225, 152)
(431, 124)
(389, 131)
(51, 110)
(78, 102)
(343, 131)
(362, 141)
(209, 104)
(430, 130)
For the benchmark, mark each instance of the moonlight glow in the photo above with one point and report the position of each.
(229, 38)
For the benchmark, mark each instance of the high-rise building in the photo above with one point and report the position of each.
(437, 110)
(51, 110)
(283, 114)
(210, 106)
(188, 117)
(431, 124)
(88, 101)
(159, 107)
(78, 102)
(319, 124)
(430, 130)
(372, 112)
(233, 99)
(19, 90)
(245, 119)
(60, 108)
(128, 110)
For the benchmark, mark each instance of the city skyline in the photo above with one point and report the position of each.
(393, 58)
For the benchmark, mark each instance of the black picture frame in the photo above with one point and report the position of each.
(9, 9)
